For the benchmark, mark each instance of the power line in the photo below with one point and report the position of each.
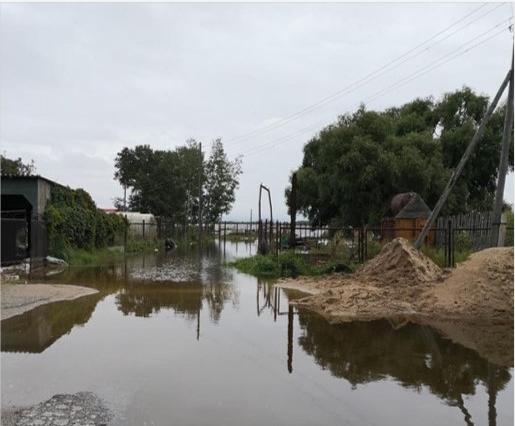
(457, 53)
(368, 77)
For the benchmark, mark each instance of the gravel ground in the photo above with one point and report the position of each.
(80, 409)
(20, 298)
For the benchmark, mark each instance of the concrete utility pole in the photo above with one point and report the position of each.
(293, 210)
(200, 193)
(459, 168)
(503, 163)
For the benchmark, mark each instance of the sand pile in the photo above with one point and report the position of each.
(402, 282)
(479, 289)
(400, 263)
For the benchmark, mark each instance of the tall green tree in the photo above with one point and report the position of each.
(352, 169)
(221, 182)
(171, 183)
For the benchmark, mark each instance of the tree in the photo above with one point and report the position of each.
(16, 167)
(352, 169)
(169, 183)
(221, 181)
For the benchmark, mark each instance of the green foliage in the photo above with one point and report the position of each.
(221, 181)
(462, 242)
(351, 170)
(288, 264)
(16, 167)
(168, 183)
(74, 222)
(437, 255)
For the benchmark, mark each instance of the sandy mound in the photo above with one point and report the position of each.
(401, 281)
(479, 289)
(400, 263)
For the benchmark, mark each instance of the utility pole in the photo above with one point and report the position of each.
(459, 168)
(503, 163)
(200, 193)
(293, 210)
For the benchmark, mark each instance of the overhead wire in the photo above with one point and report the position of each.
(424, 70)
(369, 77)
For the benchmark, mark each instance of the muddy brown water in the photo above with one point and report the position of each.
(184, 339)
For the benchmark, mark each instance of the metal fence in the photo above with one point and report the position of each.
(357, 244)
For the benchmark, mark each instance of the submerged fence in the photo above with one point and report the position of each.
(451, 235)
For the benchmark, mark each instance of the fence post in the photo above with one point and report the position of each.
(225, 232)
(277, 240)
(266, 236)
(143, 228)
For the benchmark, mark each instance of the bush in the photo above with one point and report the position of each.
(288, 264)
(74, 222)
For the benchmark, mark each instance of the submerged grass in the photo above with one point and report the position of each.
(100, 256)
(289, 264)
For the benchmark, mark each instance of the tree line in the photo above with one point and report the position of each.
(353, 167)
(179, 184)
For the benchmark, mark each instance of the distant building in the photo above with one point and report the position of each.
(141, 225)
(410, 213)
(23, 203)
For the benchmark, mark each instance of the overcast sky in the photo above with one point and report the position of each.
(79, 82)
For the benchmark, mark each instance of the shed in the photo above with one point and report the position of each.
(410, 213)
(24, 199)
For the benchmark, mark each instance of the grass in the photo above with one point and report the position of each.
(289, 264)
(100, 256)
(438, 255)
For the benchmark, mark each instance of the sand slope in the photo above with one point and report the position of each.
(400, 283)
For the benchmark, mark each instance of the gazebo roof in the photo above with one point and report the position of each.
(415, 208)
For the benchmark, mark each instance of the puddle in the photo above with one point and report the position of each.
(182, 339)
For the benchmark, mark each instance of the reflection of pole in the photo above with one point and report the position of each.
(198, 324)
(290, 339)
(466, 414)
(275, 303)
(257, 297)
(492, 396)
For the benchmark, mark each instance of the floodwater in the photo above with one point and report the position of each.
(184, 339)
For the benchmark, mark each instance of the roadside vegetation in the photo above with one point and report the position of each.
(290, 264)
(76, 226)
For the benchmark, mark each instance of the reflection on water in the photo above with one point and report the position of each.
(36, 330)
(227, 333)
(414, 355)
